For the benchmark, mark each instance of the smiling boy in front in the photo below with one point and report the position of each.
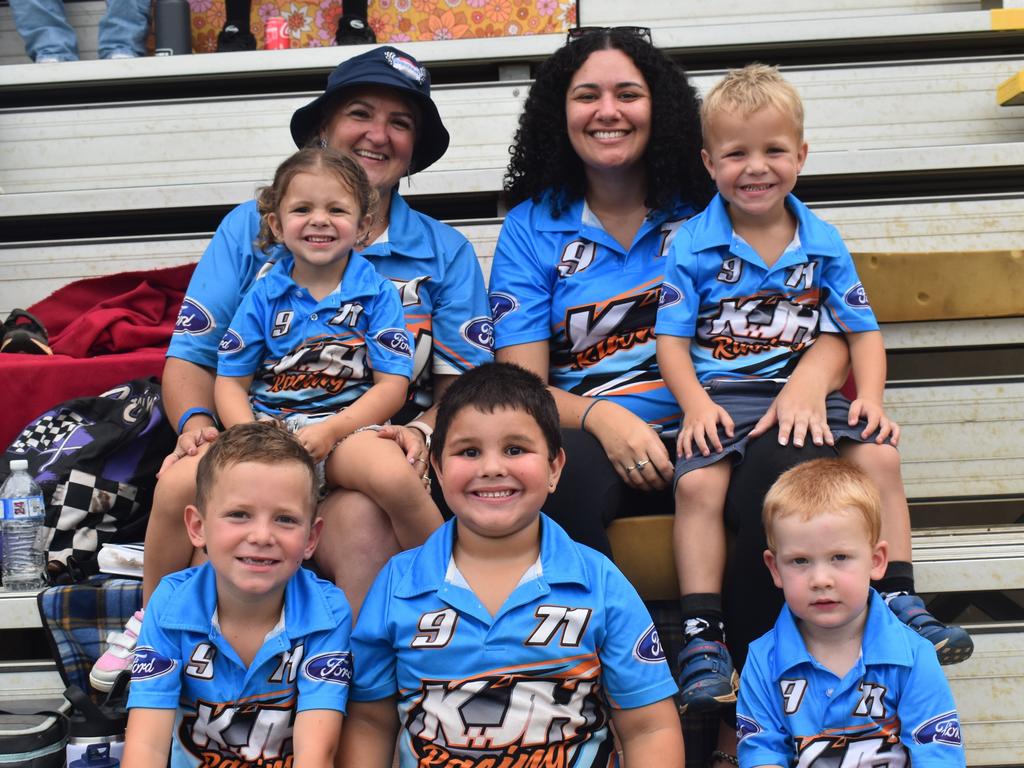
(501, 641)
(244, 661)
(839, 680)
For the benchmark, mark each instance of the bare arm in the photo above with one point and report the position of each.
(701, 416)
(650, 735)
(867, 356)
(315, 737)
(370, 733)
(231, 394)
(187, 385)
(148, 738)
(625, 437)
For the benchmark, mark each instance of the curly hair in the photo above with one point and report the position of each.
(343, 165)
(543, 158)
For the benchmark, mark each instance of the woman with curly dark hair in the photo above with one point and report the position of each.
(605, 168)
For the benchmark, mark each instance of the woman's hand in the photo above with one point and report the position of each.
(632, 446)
(409, 439)
(318, 439)
(700, 429)
(188, 444)
(874, 413)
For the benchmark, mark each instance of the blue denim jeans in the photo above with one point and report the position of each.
(44, 28)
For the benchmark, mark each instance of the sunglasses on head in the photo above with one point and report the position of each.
(575, 33)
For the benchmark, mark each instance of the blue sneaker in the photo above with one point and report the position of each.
(952, 644)
(706, 678)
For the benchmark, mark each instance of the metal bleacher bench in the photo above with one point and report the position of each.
(912, 157)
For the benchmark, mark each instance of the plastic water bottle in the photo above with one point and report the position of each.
(24, 543)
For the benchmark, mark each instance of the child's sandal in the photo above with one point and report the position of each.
(22, 332)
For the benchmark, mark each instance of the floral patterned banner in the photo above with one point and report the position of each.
(313, 24)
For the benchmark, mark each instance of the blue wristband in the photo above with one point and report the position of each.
(195, 412)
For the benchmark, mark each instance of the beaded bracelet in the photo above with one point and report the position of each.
(725, 757)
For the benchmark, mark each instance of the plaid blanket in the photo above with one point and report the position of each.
(78, 617)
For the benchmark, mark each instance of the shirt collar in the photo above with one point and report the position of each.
(714, 228)
(883, 641)
(193, 605)
(560, 560)
(352, 286)
(405, 233)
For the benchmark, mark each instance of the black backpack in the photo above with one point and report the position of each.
(96, 459)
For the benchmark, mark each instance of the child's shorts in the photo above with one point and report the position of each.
(746, 402)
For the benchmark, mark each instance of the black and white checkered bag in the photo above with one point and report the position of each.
(96, 460)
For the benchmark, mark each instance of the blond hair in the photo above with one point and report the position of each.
(749, 90)
(818, 487)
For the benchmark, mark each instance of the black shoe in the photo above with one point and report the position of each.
(231, 39)
(353, 30)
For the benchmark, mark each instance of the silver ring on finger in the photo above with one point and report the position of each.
(642, 463)
(630, 469)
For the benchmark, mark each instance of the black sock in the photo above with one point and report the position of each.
(238, 12)
(702, 616)
(899, 577)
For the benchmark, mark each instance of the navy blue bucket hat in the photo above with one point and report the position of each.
(391, 68)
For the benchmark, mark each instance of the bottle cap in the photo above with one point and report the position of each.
(17, 464)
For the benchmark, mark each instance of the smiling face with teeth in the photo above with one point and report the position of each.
(496, 473)
(378, 126)
(319, 220)
(608, 113)
(755, 160)
(257, 527)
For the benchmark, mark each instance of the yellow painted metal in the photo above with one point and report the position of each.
(906, 287)
(1006, 19)
(1010, 92)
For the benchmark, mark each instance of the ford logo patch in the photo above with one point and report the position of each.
(745, 727)
(501, 305)
(231, 342)
(395, 339)
(669, 295)
(480, 332)
(857, 297)
(648, 647)
(193, 318)
(330, 668)
(147, 664)
(944, 729)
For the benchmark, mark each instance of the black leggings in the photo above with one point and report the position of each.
(590, 495)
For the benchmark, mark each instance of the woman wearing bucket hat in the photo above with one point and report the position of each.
(376, 106)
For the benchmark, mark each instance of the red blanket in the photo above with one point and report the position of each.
(103, 331)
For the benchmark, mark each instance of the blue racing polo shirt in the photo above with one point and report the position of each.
(532, 685)
(316, 357)
(894, 707)
(567, 282)
(227, 713)
(750, 320)
(432, 265)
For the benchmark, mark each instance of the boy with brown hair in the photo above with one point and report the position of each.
(839, 680)
(501, 641)
(244, 659)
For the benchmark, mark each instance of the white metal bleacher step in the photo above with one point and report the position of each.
(861, 121)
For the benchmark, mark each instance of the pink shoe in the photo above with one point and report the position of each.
(118, 656)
